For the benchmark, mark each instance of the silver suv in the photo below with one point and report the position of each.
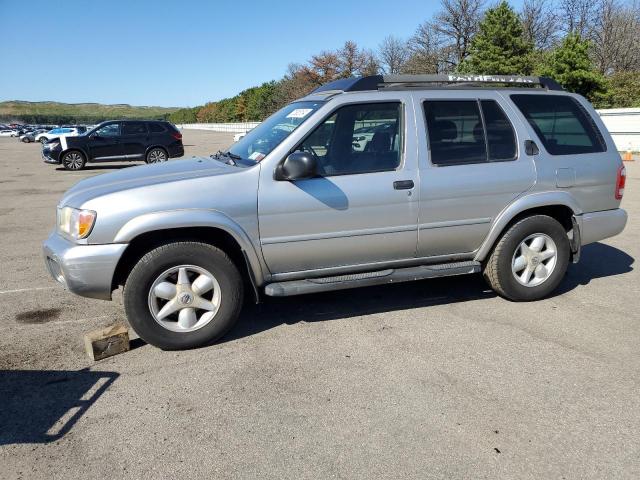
(365, 181)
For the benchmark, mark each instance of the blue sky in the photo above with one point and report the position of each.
(177, 53)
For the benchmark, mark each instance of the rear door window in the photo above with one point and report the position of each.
(562, 124)
(501, 139)
(134, 128)
(455, 132)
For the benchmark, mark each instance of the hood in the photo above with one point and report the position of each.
(143, 176)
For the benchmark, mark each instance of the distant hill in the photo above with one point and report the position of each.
(57, 112)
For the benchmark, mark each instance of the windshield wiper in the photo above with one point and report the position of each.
(232, 157)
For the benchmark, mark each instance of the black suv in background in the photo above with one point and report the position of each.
(151, 141)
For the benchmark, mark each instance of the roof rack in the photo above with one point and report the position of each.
(379, 82)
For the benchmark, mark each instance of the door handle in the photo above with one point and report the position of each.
(403, 184)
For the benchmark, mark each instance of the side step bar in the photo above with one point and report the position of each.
(342, 282)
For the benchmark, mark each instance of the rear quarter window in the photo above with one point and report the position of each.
(562, 124)
(156, 128)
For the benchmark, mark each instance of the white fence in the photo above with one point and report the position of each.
(624, 126)
(622, 123)
(221, 127)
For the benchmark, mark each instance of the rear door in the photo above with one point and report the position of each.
(473, 164)
(135, 139)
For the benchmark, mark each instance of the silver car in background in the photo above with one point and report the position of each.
(453, 179)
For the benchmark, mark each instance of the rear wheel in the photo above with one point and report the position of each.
(73, 160)
(183, 295)
(530, 259)
(43, 140)
(156, 155)
(26, 140)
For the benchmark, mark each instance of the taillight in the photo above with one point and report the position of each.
(177, 135)
(620, 181)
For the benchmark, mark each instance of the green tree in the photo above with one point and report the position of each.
(499, 47)
(569, 64)
(622, 91)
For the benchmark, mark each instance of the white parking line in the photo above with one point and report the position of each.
(18, 290)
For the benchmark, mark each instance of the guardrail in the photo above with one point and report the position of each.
(623, 125)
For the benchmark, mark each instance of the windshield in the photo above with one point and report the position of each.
(259, 142)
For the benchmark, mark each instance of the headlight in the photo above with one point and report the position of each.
(75, 223)
(52, 145)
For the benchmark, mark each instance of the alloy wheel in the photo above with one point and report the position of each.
(534, 260)
(184, 298)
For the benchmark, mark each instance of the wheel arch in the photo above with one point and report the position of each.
(558, 205)
(147, 232)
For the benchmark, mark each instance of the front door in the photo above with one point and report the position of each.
(105, 144)
(360, 209)
(473, 166)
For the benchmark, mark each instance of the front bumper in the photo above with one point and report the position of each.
(85, 270)
(597, 226)
(51, 156)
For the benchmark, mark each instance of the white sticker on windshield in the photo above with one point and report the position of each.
(257, 156)
(300, 113)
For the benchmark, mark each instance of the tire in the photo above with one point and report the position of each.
(73, 160)
(26, 140)
(157, 155)
(509, 259)
(43, 140)
(149, 276)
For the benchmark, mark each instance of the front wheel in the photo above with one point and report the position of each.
(73, 161)
(156, 155)
(183, 295)
(530, 259)
(43, 140)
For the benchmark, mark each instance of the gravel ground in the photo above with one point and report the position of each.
(434, 379)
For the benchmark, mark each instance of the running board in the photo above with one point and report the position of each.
(341, 282)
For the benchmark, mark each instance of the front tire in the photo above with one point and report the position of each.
(530, 259)
(156, 155)
(73, 160)
(183, 295)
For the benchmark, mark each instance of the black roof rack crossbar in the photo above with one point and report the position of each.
(377, 82)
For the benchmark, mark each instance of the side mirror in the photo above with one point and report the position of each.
(93, 136)
(297, 166)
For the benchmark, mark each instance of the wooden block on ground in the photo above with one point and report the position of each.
(107, 342)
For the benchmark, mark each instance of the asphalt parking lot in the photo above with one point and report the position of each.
(435, 379)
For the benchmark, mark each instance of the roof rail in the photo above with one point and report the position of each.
(378, 82)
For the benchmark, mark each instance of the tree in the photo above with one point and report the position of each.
(579, 16)
(623, 91)
(457, 23)
(540, 23)
(393, 53)
(499, 47)
(570, 65)
(429, 51)
(616, 37)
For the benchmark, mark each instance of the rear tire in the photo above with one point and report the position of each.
(43, 140)
(73, 160)
(530, 259)
(156, 155)
(177, 272)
